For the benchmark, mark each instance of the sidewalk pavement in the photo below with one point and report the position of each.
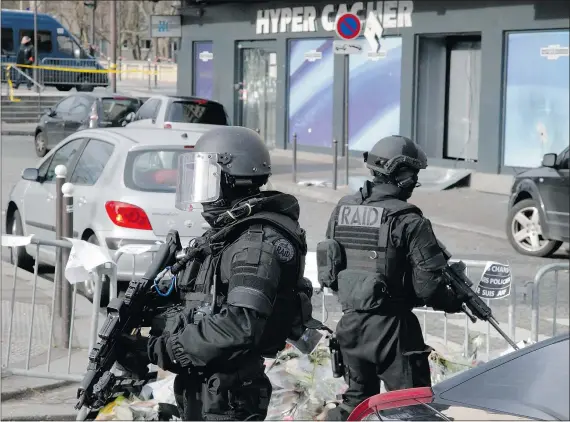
(18, 129)
(17, 390)
(459, 208)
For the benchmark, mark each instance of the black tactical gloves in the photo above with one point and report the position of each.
(164, 326)
(132, 354)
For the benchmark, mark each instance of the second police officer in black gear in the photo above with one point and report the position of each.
(252, 263)
(383, 259)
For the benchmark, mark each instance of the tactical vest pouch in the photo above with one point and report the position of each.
(360, 291)
(330, 262)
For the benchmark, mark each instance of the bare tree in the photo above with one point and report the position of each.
(133, 21)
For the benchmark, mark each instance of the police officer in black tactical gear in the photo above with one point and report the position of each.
(383, 259)
(244, 294)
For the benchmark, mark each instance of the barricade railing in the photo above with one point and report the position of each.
(65, 72)
(465, 325)
(471, 265)
(62, 318)
(535, 295)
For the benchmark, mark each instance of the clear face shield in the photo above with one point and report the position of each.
(199, 179)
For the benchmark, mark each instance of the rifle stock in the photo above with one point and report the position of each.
(123, 316)
(473, 305)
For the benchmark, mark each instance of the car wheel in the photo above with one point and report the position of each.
(40, 144)
(88, 286)
(84, 85)
(63, 87)
(525, 232)
(14, 226)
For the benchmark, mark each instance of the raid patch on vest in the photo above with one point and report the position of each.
(360, 216)
(284, 250)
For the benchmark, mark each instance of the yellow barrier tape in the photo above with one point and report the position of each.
(87, 70)
(10, 87)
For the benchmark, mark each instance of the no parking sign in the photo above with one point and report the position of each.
(348, 26)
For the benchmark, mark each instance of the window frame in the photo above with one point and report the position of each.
(89, 140)
(155, 112)
(130, 164)
(182, 101)
(504, 168)
(11, 38)
(71, 168)
(68, 38)
(71, 97)
(27, 32)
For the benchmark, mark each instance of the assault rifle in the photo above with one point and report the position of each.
(473, 305)
(139, 305)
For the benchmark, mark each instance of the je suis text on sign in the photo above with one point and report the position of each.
(495, 282)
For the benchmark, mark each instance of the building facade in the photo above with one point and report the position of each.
(482, 85)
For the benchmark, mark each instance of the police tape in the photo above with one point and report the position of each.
(10, 86)
(87, 70)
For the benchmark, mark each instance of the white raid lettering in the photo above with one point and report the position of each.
(360, 216)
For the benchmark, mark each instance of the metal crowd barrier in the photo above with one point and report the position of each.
(535, 298)
(58, 339)
(471, 265)
(68, 73)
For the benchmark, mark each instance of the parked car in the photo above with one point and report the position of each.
(73, 113)
(57, 47)
(125, 182)
(538, 221)
(528, 384)
(176, 112)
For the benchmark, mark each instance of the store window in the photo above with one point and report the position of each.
(203, 70)
(537, 97)
(311, 91)
(374, 95)
(7, 41)
(44, 39)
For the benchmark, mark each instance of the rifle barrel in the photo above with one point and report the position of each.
(503, 334)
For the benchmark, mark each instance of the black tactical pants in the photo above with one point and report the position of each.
(242, 395)
(379, 348)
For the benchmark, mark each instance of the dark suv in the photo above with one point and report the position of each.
(539, 216)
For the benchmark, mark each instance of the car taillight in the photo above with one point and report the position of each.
(167, 126)
(390, 400)
(127, 215)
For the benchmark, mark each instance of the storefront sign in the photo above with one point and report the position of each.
(554, 52)
(165, 26)
(313, 55)
(377, 55)
(206, 56)
(390, 14)
(348, 47)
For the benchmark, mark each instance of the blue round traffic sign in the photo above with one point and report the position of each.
(348, 26)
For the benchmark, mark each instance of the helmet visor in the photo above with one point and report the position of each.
(199, 179)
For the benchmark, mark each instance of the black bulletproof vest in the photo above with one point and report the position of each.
(363, 231)
(196, 290)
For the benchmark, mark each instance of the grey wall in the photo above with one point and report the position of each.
(225, 25)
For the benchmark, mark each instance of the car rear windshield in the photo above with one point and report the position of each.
(197, 111)
(115, 109)
(152, 170)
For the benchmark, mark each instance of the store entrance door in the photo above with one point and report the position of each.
(256, 89)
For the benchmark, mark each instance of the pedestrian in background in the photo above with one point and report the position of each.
(25, 57)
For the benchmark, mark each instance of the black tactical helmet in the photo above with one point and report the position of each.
(242, 152)
(392, 153)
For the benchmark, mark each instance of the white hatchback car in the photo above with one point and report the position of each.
(125, 182)
(179, 112)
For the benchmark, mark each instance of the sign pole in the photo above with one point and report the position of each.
(113, 65)
(36, 61)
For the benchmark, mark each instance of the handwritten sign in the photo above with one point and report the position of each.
(495, 282)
